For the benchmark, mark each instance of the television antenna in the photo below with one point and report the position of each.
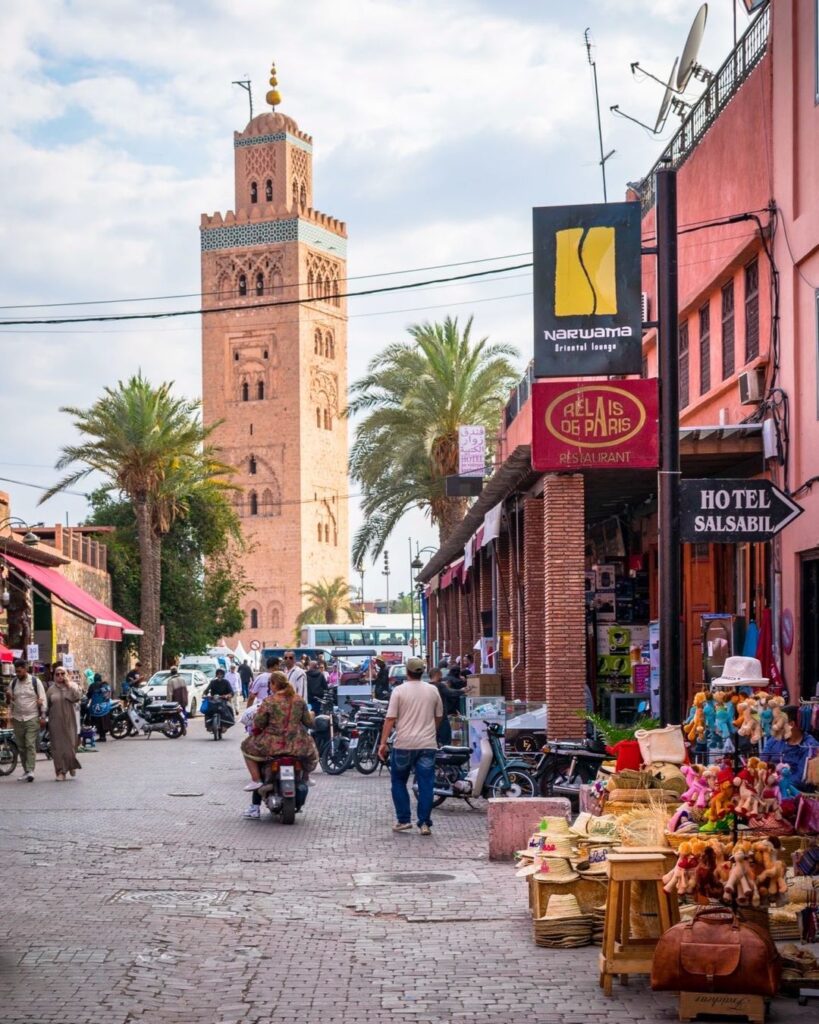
(244, 83)
(689, 68)
(603, 156)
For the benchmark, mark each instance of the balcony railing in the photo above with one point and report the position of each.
(748, 52)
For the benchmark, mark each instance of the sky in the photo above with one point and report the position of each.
(437, 126)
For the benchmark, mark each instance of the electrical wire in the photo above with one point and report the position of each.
(307, 300)
(201, 294)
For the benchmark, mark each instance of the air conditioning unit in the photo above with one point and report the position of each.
(644, 306)
(750, 387)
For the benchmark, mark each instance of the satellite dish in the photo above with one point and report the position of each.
(688, 59)
(669, 95)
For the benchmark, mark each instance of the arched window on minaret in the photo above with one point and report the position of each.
(320, 286)
(254, 192)
(310, 283)
(303, 197)
(295, 194)
(326, 534)
(254, 618)
(320, 533)
(318, 418)
(329, 346)
(253, 503)
(337, 299)
(260, 390)
(245, 391)
(251, 465)
(327, 420)
(260, 283)
(242, 284)
(317, 343)
(268, 191)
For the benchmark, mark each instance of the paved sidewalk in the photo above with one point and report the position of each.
(138, 895)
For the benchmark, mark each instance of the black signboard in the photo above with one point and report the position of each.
(733, 511)
(463, 486)
(588, 309)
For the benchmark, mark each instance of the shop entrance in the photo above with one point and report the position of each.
(809, 620)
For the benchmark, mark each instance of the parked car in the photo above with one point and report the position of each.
(398, 674)
(204, 663)
(195, 681)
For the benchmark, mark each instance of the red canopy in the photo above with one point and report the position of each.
(108, 624)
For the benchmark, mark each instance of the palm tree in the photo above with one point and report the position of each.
(151, 447)
(416, 394)
(329, 600)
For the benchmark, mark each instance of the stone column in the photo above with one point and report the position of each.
(534, 600)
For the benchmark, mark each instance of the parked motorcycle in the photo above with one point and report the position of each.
(147, 715)
(120, 722)
(370, 722)
(566, 766)
(284, 787)
(9, 754)
(331, 739)
(494, 776)
(219, 715)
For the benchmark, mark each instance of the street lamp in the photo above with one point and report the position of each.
(416, 565)
(30, 539)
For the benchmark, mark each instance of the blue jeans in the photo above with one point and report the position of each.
(402, 764)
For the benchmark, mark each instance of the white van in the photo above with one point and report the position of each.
(200, 663)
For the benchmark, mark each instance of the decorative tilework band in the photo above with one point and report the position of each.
(269, 232)
(260, 140)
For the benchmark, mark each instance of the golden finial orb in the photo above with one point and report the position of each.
(273, 97)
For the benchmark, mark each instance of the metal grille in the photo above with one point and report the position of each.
(727, 330)
(723, 86)
(751, 311)
(683, 363)
(705, 349)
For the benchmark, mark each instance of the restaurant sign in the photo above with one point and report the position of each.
(582, 425)
(587, 290)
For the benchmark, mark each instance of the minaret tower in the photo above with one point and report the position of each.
(274, 369)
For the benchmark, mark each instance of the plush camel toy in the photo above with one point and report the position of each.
(765, 714)
(695, 723)
(780, 727)
(770, 871)
(749, 801)
(723, 715)
(682, 877)
(748, 722)
(740, 884)
(698, 790)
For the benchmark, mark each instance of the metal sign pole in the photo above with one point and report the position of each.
(669, 476)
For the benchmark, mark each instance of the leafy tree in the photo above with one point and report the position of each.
(198, 607)
(152, 448)
(415, 395)
(329, 600)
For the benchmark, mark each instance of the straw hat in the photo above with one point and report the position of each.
(554, 869)
(545, 844)
(595, 864)
(554, 825)
(562, 908)
(596, 829)
(738, 671)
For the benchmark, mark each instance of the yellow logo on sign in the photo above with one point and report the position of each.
(584, 272)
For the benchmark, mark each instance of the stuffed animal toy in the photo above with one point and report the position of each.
(748, 723)
(722, 866)
(740, 885)
(723, 715)
(698, 792)
(695, 723)
(682, 877)
(748, 799)
(709, 712)
(769, 801)
(769, 872)
(787, 788)
(780, 727)
(765, 714)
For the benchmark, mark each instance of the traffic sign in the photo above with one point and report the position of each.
(733, 511)
(255, 645)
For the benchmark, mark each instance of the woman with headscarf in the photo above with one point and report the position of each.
(280, 727)
(62, 698)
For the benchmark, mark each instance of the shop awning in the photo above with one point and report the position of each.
(453, 574)
(108, 624)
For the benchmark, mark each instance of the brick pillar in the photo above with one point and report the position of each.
(504, 608)
(564, 625)
(464, 632)
(534, 610)
(517, 677)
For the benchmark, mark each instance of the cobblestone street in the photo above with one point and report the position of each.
(138, 895)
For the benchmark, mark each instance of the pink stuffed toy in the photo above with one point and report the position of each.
(698, 792)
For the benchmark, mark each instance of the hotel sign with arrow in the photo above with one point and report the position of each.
(733, 511)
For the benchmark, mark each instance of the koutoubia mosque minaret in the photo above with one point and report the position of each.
(274, 369)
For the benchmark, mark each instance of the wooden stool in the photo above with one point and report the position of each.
(622, 954)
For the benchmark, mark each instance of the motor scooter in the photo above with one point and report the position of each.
(147, 716)
(284, 787)
(219, 716)
(494, 775)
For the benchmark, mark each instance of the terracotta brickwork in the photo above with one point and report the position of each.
(534, 572)
(564, 630)
(277, 375)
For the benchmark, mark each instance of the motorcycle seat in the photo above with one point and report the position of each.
(454, 750)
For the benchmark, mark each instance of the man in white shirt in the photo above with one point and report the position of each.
(296, 675)
(260, 687)
(232, 676)
(415, 712)
(28, 707)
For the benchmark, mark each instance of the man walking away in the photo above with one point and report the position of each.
(260, 687)
(246, 675)
(28, 709)
(381, 683)
(296, 675)
(316, 686)
(415, 712)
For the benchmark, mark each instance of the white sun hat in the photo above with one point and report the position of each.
(738, 671)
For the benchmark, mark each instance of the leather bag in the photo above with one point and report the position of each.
(716, 952)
